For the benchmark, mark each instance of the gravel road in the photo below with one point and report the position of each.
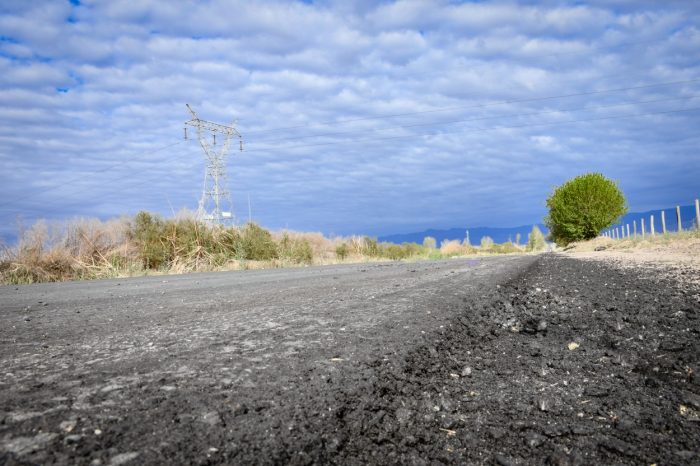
(504, 360)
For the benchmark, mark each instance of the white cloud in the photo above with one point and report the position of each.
(86, 91)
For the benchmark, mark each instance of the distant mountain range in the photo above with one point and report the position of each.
(501, 235)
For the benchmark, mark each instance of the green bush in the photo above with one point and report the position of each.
(413, 249)
(394, 251)
(148, 232)
(506, 248)
(295, 250)
(535, 240)
(341, 251)
(370, 247)
(429, 242)
(584, 206)
(257, 243)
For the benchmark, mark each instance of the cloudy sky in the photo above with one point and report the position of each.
(357, 117)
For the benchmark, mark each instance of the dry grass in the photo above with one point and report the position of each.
(455, 248)
(669, 249)
(669, 240)
(146, 244)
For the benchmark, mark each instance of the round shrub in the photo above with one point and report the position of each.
(582, 207)
(257, 243)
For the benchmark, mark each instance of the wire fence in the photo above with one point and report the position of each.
(652, 224)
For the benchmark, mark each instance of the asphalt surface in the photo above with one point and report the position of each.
(190, 368)
(503, 360)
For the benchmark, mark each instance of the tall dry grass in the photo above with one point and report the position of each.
(146, 244)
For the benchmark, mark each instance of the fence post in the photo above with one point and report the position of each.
(643, 232)
(697, 214)
(634, 225)
(663, 221)
(628, 230)
(651, 225)
(678, 214)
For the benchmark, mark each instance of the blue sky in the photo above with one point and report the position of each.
(358, 117)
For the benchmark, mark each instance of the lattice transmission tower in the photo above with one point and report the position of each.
(215, 205)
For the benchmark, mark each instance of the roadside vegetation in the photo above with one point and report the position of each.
(148, 244)
(583, 207)
(688, 239)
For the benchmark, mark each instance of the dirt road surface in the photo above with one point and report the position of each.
(508, 360)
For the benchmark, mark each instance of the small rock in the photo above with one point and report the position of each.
(671, 345)
(111, 388)
(573, 345)
(596, 391)
(74, 438)
(123, 458)
(686, 454)
(503, 461)
(239, 409)
(67, 426)
(556, 430)
(24, 445)
(534, 440)
(624, 424)
(403, 415)
(544, 404)
(212, 418)
(691, 399)
(466, 372)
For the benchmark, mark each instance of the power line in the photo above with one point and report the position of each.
(71, 181)
(466, 107)
(133, 184)
(474, 130)
(477, 130)
(512, 115)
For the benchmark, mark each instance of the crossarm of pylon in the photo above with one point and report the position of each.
(211, 126)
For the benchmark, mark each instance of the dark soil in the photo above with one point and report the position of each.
(506, 384)
(568, 362)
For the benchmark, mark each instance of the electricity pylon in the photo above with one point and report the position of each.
(215, 195)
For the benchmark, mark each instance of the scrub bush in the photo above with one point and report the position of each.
(535, 240)
(257, 243)
(584, 206)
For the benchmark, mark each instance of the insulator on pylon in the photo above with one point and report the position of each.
(185, 128)
(214, 139)
(241, 142)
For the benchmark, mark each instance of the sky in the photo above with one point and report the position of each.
(357, 117)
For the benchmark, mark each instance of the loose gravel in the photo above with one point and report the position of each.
(562, 361)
